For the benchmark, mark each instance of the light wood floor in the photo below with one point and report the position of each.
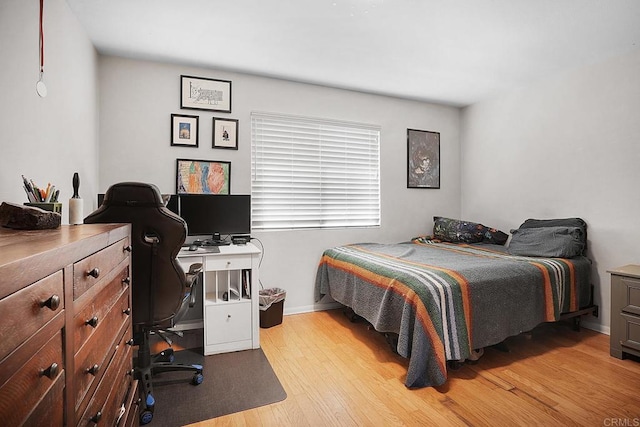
(338, 373)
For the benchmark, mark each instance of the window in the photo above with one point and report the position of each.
(313, 173)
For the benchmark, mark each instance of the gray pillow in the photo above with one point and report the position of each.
(559, 222)
(550, 242)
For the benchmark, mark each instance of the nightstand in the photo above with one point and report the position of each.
(625, 311)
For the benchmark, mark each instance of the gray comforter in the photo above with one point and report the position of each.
(444, 300)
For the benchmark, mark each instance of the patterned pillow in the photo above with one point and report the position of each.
(457, 231)
(497, 237)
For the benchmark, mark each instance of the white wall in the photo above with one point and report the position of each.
(137, 99)
(46, 139)
(565, 147)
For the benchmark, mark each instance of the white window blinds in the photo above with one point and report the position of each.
(312, 173)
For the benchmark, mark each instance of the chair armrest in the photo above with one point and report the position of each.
(192, 281)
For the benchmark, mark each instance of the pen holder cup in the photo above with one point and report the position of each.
(51, 207)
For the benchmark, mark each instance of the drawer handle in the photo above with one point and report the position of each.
(127, 248)
(126, 280)
(126, 311)
(96, 417)
(53, 303)
(95, 272)
(130, 342)
(51, 372)
(93, 322)
(93, 370)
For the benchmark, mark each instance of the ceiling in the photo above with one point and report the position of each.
(455, 52)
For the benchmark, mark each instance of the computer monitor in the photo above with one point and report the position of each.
(215, 215)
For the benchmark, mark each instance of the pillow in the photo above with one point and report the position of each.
(550, 242)
(559, 222)
(457, 231)
(496, 237)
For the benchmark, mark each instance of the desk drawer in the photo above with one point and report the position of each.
(23, 312)
(92, 269)
(229, 262)
(33, 380)
(228, 322)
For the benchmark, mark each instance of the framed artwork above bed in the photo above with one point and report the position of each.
(423, 159)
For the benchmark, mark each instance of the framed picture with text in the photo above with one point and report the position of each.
(200, 93)
(225, 133)
(203, 177)
(423, 159)
(184, 130)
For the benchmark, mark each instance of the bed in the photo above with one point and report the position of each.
(445, 299)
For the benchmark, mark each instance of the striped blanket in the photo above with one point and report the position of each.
(444, 300)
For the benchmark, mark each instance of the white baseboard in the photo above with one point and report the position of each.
(311, 308)
(596, 327)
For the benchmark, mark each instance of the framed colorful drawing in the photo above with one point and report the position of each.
(203, 177)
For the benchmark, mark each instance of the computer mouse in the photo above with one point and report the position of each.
(193, 247)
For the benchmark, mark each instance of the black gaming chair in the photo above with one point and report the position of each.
(160, 289)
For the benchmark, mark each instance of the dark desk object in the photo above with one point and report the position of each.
(161, 292)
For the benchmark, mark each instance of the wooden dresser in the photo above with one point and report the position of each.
(65, 327)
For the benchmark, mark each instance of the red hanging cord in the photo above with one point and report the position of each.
(41, 39)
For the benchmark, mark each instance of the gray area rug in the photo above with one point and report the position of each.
(233, 382)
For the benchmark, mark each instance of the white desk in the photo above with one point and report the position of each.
(229, 296)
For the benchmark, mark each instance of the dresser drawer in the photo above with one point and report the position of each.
(630, 289)
(92, 358)
(33, 377)
(131, 416)
(92, 269)
(108, 404)
(631, 333)
(50, 409)
(229, 262)
(26, 311)
(95, 310)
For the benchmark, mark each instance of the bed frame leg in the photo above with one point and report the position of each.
(392, 340)
(501, 346)
(576, 323)
(352, 316)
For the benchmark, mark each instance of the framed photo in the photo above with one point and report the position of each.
(423, 159)
(225, 133)
(184, 130)
(199, 93)
(203, 177)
